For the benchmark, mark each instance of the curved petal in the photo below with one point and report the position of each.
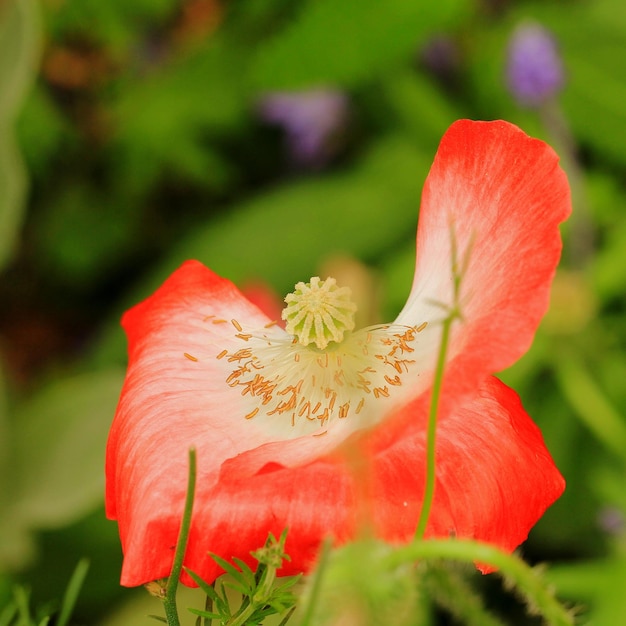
(495, 477)
(494, 480)
(175, 397)
(497, 196)
(235, 517)
(494, 197)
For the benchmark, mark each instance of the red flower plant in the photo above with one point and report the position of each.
(317, 428)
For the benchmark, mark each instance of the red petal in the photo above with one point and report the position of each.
(175, 397)
(495, 478)
(501, 194)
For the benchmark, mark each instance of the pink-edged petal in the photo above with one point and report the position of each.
(494, 196)
(495, 478)
(175, 397)
(493, 192)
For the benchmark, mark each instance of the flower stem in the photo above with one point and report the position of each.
(526, 580)
(429, 489)
(316, 587)
(459, 267)
(169, 602)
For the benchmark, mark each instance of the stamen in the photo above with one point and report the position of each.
(319, 370)
(287, 383)
(236, 324)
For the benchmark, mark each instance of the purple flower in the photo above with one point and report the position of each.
(312, 121)
(534, 69)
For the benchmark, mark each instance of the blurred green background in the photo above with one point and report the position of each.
(269, 139)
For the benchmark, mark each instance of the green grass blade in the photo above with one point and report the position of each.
(72, 591)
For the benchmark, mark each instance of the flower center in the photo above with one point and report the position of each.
(319, 312)
(291, 380)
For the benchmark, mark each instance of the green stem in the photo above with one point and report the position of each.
(459, 267)
(316, 586)
(429, 489)
(169, 602)
(581, 241)
(525, 579)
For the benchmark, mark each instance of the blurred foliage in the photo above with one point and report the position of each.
(18, 611)
(144, 143)
(18, 59)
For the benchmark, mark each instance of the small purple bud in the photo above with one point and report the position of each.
(441, 56)
(534, 69)
(312, 121)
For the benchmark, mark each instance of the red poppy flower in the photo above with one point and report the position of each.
(280, 426)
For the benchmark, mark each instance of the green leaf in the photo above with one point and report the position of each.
(223, 604)
(595, 57)
(228, 567)
(287, 617)
(12, 196)
(19, 47)
(607, 265)
(162, 123)
(208, 589)
(7, 614)
(58, 442)
(599, 584)
(246, 572)
(118, 24)
(43, 130)
(22, 602)
(590, 402)
(205, 614)
(82, 234)
(72, 592)
(420, 106)
(19, 53)
(281, 236)
(349, 43)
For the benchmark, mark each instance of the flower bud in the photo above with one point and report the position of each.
(534, 68)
